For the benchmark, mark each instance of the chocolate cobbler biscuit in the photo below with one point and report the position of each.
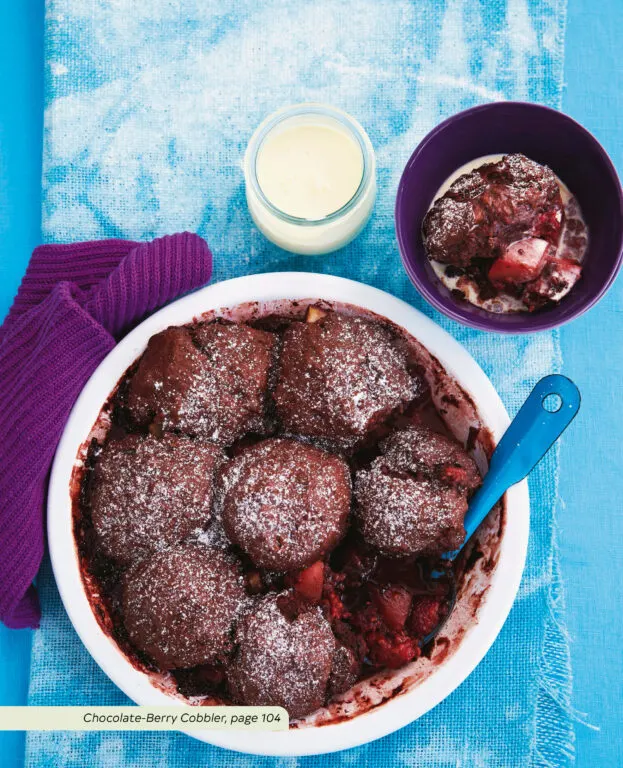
(285, 503)
(167, 388)
(240, 362)
(412, 499)
(282, 661)
(211, 381)
(420, 449)
(345, 671)
(180, 605)
(339, 377)
(149, 494)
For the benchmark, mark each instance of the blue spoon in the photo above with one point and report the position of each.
(547, 412)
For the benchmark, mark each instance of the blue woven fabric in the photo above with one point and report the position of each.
(149, 108)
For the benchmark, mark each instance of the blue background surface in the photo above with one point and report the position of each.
(21, 104)
(591, 484)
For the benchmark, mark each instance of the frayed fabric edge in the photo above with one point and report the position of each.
(554, 737)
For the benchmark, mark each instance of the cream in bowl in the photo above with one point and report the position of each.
(310, 178)
(452, 395)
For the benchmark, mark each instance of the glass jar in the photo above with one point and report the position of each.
(306, 181)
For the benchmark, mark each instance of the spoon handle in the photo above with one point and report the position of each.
(547, 412)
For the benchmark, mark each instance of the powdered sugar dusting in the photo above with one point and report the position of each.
(413, 498)
(150, 493)
(283, 662)
(420, 449)
(401, 514)
(285, 503)
(214, 535)
(181, 604)
(339, 377)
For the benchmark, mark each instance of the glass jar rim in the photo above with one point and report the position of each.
(309, 108)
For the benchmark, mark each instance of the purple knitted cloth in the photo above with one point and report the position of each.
(74, 303)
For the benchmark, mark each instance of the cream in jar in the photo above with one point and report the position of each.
(310, 178)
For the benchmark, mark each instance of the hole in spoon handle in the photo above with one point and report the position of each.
(560, 400)
(552, 403)
(546, 413)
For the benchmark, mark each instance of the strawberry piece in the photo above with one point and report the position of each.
(393, 604)
(548, 225)
(308, 582)
(522, 261)
(392, 651)
(424, 616)
(454, 475)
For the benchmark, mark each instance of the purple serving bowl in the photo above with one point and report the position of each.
(544, 135)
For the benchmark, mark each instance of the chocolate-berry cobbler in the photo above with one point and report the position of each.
(260, 519)
(507, 236)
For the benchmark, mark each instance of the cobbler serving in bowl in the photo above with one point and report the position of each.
(505, 234)
(509, 218)
(260, 508)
